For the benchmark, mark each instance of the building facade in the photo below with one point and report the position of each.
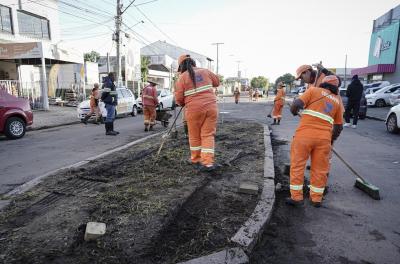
(384, 51)
(32, 54)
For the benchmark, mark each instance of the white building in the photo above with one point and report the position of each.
(31, 52)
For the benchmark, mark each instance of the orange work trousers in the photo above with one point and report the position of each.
(202, 126)
(149, 113)
(277, 112)
(319, 150)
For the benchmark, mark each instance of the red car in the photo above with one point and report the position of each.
(15, 115)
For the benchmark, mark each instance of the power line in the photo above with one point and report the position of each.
(85, 10)
(141, 12)
(94, 7)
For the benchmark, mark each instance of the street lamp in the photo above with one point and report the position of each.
(217, 44)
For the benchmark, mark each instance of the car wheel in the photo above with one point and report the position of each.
(160, 107)
(380, 103)
(173, 105)
(134, 111)
(391, 124)
(15, 128)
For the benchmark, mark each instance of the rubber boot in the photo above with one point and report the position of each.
(84, 120)
(274, 122)
(96, 121)
(112, 128)
(146, 128)
(151, 128)
(279, 121)
(101, 119)
(109, 131)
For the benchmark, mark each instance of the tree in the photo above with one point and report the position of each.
(259, 82)
(144, 67)
(287, 78)
(92, 56)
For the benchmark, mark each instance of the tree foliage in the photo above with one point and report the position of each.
(144, 67)
(287, 79)
(92, 56)
(259, 82)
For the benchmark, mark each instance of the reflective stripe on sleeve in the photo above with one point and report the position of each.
(319, 115)
(296, 187)
(316, 189)
(197, 90)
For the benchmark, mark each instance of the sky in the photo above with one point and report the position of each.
(269, 38)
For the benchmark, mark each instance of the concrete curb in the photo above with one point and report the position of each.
(53, 126)
(26, 186)
(247, 236)
(375, 118)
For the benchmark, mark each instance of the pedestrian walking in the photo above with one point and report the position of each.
(250, 94)
(94, 106)
(194, 90)
(150, 102)
(320, 124)
(236, 94)
(354, 94)
(110, 98)
(256, 95)
(279, 102)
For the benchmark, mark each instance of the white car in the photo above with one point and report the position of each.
(394, 98)
(127, 104)
(393, 119)
(381, 97)
(373, 87)
(165, 98)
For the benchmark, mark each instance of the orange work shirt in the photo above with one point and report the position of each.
(322, 109)
(280, 97)
(149, 96)
(196, 98)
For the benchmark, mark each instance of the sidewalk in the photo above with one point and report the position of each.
(378, 113)
(56, 116)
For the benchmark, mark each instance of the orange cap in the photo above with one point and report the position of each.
(302, 69)
(182, 58)
(331, 79)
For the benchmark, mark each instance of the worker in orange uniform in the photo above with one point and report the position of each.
(194, 90)
(150, 102)
(279, 102)
(312, 77)
(251, 94)
(320, 124)
(236, 93)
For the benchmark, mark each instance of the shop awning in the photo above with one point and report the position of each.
(378, 68)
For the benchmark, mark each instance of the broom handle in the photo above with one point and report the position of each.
(348, 165)
(164, 139)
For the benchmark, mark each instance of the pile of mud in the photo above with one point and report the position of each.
(156, 210)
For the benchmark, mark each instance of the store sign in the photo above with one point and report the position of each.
(383, 45)
(21, 50)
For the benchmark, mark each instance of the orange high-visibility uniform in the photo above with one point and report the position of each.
(149, 101)
(236, 93)
(313, 138)
(279, 102)
(201, 112)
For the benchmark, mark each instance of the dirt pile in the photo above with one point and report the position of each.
(156, 211)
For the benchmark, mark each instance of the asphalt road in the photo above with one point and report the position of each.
(43, 151)
(350, 227)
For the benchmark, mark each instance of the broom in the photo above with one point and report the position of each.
(165, 136)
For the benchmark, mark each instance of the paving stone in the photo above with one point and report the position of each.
(248, 188)
(94, 230)
(227, 256)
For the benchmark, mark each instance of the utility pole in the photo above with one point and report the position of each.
(238, 74)
(217, 44)
(108, 62)
(345, 71)
(118, 21)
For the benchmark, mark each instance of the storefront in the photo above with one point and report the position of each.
(384, 50)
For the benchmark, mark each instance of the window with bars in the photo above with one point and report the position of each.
(33, 26)
(5, 19)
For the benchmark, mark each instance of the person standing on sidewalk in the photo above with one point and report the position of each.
(354, 94)
(110, 98)
(320, 124)
(236, 93)
(279, 102)
(150, 102)
(194, 91)
(94, 106)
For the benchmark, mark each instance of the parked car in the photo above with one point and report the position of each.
(362, 114)
(373, 87)
(301, 90)
(393, 120)
(166, 99)
(127, 104)
(381, 97)
(15, 115)
(394, 98)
